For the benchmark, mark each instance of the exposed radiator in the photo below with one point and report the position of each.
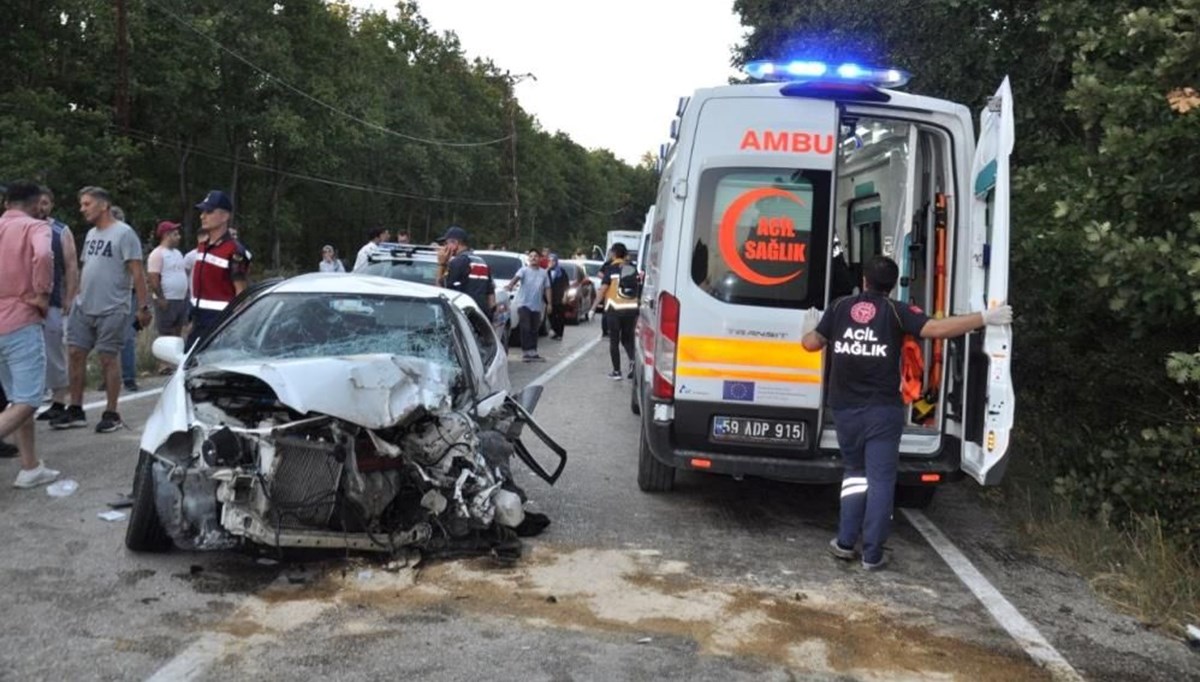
(303, 490)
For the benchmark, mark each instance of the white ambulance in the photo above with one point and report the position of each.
(772, 196)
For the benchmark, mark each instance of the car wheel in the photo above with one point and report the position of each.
(653, 475)
(914, 496)
(144, 532)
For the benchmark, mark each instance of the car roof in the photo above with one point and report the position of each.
(342, 283)
(485, 252)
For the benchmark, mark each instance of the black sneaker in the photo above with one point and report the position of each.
(111, 421)
(615, 375)
(131, 385)
(53, 412)
(72, 417)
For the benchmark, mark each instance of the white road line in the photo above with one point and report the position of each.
(565, 362)
(195, 660)
(1002, 610)
(124, 399)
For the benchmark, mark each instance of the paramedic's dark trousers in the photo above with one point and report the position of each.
(869, 438)
(620, 333)
(529, 321)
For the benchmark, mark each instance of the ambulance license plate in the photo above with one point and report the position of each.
(745, 430)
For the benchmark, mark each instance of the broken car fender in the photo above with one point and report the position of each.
(171, 415)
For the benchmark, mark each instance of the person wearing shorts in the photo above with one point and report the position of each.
(24, 299)
(112, 257)
(169, 284)
(66, 283)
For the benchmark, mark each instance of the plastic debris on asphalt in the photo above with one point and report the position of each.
(111, 515)
(1193, 635)
(62, 488)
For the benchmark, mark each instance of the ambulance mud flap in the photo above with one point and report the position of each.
(525, 419)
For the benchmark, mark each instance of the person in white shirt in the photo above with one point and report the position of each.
(375, 237)
(169, 284)
(329, 260)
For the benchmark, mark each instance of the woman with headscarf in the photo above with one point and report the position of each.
(329, 260)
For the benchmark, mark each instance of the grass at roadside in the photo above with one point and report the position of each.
(1137, 568)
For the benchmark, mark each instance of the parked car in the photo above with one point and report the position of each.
(338, 411)
(415, 263)
(581, 293)
(593, 271)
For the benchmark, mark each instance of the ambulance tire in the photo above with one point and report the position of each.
(145, 533)
(915, 496)
(653, 475)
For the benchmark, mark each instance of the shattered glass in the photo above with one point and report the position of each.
(311, 325)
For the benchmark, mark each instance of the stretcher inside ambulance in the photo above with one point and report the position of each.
(771, 198)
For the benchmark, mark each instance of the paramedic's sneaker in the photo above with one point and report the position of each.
(111, 421)
(615, 375)
(32, 478)
(71, 418)
(51, 413)
(840, 552)
(877, 566)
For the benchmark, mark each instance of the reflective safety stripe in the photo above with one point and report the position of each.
(854, 490)
(208, 304)
(707, 350)
(216, 260)
(728, 373)
(854, 485)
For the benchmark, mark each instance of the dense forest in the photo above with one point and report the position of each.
(321, 120)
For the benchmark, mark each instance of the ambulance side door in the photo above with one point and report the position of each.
(989, 408)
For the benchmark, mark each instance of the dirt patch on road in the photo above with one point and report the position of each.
(639, 595)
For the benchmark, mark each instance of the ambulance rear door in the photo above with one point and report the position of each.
(989, 395)
(752, 261)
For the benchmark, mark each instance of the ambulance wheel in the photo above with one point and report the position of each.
(914, 496)
(634, 407)
(144, 532)
(653, 475)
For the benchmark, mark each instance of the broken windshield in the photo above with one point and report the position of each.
(314, 325)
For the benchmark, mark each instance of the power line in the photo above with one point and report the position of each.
(337, 110)
(153, 139)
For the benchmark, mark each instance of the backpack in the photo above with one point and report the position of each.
(628, 286)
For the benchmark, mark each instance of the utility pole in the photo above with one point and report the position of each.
(122, 94)
(512, 81)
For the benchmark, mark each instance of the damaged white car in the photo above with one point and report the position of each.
(339, 411)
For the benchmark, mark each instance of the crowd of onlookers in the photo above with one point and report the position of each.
(60, 304)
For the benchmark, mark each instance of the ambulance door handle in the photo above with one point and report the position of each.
(679, 189)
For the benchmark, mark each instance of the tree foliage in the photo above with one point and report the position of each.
(321, 120)
(1106, 216)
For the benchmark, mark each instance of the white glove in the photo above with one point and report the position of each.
(809, 320)
(1001, 314)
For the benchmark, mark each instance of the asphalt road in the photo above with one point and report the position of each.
(718, 580)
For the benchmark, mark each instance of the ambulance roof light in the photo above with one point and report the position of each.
(798, 70)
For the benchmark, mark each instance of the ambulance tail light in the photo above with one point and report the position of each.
(664, 347)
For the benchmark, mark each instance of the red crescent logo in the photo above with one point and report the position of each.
(727, 236)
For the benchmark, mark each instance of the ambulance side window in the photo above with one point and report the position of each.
(761, 236)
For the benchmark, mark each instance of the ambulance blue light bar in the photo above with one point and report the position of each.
(796, 70)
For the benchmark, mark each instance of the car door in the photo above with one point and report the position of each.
(989, 410)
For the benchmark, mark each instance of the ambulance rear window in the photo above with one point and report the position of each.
(761, 236)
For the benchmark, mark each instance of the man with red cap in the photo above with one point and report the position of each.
(168, 283)
(222, 265)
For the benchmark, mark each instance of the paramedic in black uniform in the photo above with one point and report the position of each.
(865, 333)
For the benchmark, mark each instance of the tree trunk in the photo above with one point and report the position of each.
(276, 193)
(185, 204)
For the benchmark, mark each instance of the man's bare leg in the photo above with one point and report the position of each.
(77, 372)
(19, 419)
(110, 365)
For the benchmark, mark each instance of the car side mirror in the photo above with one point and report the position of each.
(169, 349)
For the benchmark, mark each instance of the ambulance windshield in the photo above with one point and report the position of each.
(761, 236)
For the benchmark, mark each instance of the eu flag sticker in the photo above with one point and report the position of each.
(738, 390)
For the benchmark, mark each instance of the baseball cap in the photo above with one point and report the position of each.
(454, 232)
(166, 226)
(215, 199)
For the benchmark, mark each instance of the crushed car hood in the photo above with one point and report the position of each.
(375, 391)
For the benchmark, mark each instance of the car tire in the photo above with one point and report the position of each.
(653, 475)
(915, 496)
(144, 533)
